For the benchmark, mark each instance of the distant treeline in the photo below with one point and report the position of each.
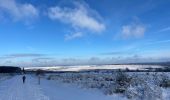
(9, 69)
(165, 69)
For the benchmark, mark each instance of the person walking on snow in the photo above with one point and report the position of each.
(23, 79)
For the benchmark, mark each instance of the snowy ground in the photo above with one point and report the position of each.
(133, 85)
(92, 67)
(14, 89)
(74, 84)
(4, 76)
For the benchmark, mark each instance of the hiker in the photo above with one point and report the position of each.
(23, 79)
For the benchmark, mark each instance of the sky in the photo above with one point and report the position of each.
(78, 32)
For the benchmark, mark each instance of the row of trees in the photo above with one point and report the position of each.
(9, 69)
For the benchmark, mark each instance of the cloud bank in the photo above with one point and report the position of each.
(21, 55)
(43, 60)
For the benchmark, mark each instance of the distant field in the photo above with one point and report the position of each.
(101, 67)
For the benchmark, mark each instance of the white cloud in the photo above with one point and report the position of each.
(81, 17)
(73, 35)
(164, 29)
(18, 11)
(133, 31)
(158, 42)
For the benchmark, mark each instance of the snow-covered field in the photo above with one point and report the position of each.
(5, 76)
(92, 67)
(132, 85)
(87, 83)
(14, 89)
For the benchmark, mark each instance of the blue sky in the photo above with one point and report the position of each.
(68, 32)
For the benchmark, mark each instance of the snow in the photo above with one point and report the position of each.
(71, 92)
(136, 85)
(166, 94)
(92, 67)
(87, 85)
(14, 89)
(4, 76)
